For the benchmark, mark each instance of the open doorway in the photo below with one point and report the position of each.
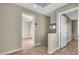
(68, 31)
(28, 31)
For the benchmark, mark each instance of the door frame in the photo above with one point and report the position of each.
(59, 21)
(33, 26)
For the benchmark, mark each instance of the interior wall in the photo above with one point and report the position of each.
(10, 24)
(32, 29)
(75, 29)
(10, 18)
(53, 17)
(26, 29)
(69, 29)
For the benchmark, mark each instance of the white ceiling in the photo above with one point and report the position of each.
(73, 15)
(41, 8)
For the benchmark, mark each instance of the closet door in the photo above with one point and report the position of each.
(63, 31)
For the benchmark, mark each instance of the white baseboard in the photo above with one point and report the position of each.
(12, 51)
(50, 52)
(69, 41)
(27, 38)
(37, 44)
(75, 38)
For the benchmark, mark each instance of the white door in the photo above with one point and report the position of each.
(63, 31)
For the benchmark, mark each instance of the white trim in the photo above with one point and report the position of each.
(78, 30)
(69, 40)
(58, 15)
(12, 51)
(37, 44)
(58, 30)
(50, 52)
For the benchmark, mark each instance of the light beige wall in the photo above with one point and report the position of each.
(1, 33)
(75, 29)
(10, 27)
(26, 29)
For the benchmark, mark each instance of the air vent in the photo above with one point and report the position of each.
(43, 4)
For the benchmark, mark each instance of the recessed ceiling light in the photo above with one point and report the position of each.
(35, 6)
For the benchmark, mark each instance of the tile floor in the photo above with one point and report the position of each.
(70, 49)
(27, 44)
